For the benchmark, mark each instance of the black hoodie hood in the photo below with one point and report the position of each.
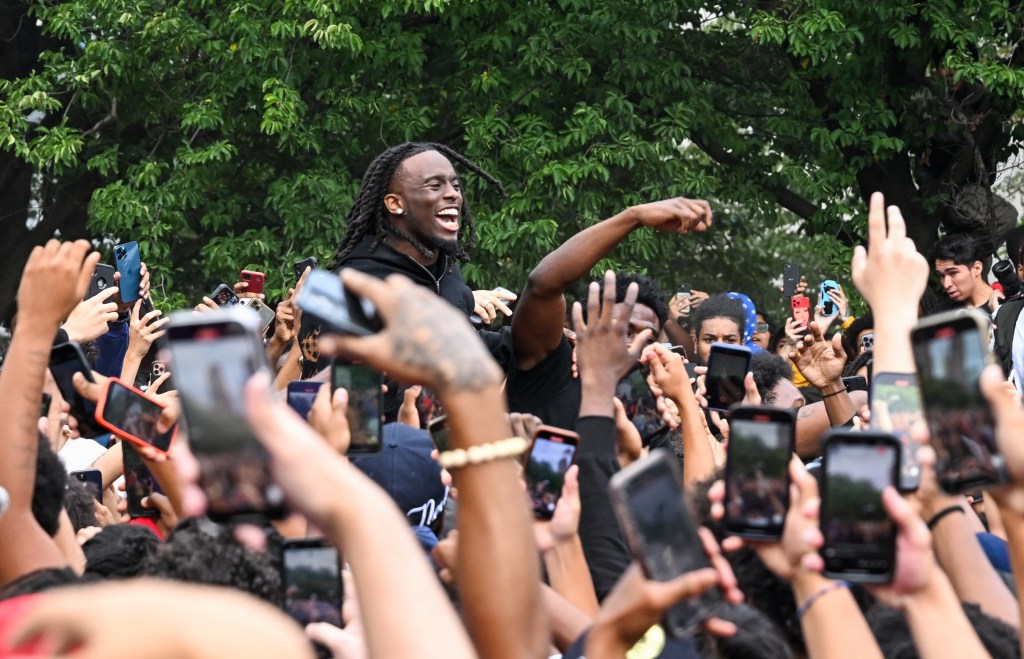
(384, 260)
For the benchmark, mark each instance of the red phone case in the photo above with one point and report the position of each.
(255, 281)
(102, 403)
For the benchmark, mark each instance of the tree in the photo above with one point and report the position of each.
(224, 135)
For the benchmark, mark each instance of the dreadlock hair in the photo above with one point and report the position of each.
(368, 214)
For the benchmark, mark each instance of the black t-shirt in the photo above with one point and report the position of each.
(547, 390)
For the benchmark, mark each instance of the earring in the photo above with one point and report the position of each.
(399, 211)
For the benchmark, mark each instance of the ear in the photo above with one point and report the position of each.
(976, 269)
(393, 203)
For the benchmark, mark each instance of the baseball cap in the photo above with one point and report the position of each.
(404, 468)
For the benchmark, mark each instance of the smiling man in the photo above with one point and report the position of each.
(410, 217)
(959, 260)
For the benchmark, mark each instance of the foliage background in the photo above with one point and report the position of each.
(233, 134)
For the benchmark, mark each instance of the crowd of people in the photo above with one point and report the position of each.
(443, 552)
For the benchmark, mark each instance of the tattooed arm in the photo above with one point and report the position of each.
(54, 280)
(813, 420)
(425, 342)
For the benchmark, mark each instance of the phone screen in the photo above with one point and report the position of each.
(550, 456)
(93, 480)
(727, 368)
(67, 359)
(439, 431)
(301, 394)
(652, 506)
(138, 482)
(895, 408)
(212, 363)
(950, 358)
(639, 403)
(134, 415)
(860, 539)
(364, 404)
(312, 584)
(757, 473)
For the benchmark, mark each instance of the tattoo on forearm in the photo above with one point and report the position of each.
(448, 350)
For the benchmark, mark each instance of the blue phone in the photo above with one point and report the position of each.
(829, 307)
(129, 264)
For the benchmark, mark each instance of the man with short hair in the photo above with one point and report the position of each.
(960, 261)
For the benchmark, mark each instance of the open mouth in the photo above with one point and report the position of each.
(448, 218)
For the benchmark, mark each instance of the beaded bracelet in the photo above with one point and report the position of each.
(824, 590)
(474, 455)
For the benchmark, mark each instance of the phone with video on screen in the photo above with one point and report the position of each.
(950, 351)
(551, 454)
(132, 415)
(860, 539)
(650, 503)
(213, 356)
(365, 402)
(896, 408)
(761, 444)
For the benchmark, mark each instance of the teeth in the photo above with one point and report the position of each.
(450, 212)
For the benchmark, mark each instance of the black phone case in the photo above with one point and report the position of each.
(778, 416)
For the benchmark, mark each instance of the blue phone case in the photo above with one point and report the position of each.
(129, 264)
(829, 307)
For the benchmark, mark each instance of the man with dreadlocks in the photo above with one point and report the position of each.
(410, 218)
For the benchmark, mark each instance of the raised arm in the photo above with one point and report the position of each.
(54, 280)
(425, 342)
(537, 323)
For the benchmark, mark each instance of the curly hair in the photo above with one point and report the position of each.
(368, 214)
(719, 306)
(50, 483)
(768, 369)
(195, 554)
(649, 294)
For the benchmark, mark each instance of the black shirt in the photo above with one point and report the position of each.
(547, 390)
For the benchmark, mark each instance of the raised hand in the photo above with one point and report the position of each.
(820, 361)
(601, 341)
(89, 319)
(143, 331)
(55, 280)
(565, 522)
(679, 215)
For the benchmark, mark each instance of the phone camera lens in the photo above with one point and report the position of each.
(101, 283)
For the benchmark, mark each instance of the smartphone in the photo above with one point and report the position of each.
(44, 404)
(801, 310)
(66, 359)
(896, 408)
(311, 582)
(867, 342)
(438, 428)
(951, 350)
(691, 372)
(365, 402)
(828, 307)
(132, 415)
(129, 263)
(254, 279)
(102, 278)
(300, 266)
(224, 296)
(551, 454)
(156, 370)
(860, 539)
(301, 394)
(855, 382)
(265, 313)
(93, 479)
(761, 443)
(790, 279)
(324, 298)
(213, 355)
(639, 403)
(139, 483)
(728, 366)
(651, 506)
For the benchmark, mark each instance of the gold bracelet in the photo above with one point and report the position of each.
(474, 455)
